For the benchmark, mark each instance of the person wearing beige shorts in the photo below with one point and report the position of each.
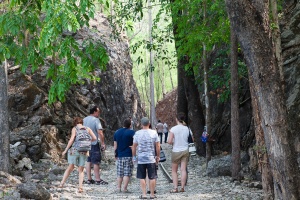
(182, 156)
(178, 137)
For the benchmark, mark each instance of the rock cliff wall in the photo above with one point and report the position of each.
(38, 130)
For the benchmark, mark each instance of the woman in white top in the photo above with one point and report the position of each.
(178, 137)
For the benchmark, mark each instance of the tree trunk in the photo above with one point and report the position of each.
(182, 104)
(207, 106)
(262, 156)
(277, 40)
(235, 118)
(250, 20)
(4, 128)
(195, 115)
(151, 69)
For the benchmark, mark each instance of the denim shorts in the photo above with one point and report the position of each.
(76, 158)
(150, 168)
(95, 155)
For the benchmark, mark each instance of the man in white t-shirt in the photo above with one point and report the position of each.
(146, 145)
(165, 131)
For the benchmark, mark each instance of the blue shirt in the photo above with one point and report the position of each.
(124, 139)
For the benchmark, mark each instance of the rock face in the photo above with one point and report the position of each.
(290, 48)
(39, 130)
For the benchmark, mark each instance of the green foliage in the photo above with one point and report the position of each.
(219, 75)
(40, 32)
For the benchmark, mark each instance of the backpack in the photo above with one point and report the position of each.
(83, 140)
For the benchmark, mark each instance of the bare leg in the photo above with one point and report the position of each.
(174, 175)
(147, 182)
(88, 170)
(126, 181)
(80, 174)
(97, 172)
(119, 182)
(152, 187)
(143, 186)
(183, 173)
(67, 173)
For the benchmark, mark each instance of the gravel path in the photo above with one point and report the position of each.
(199, 186)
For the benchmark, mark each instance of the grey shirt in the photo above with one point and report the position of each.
(94, 124)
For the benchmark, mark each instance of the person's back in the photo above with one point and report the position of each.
(160, 127)
(165, 128)
(181, 134)
(146, 139)
(124, 139)
(94, 124)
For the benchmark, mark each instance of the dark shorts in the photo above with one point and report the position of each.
(142, 168)
(95, 154)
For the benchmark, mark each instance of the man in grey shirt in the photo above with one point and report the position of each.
(92, 121)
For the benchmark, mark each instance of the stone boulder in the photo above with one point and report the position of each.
(33, 191)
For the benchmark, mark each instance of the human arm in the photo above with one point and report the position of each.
(91, 134)
(133, 149)
(73, 135)
(115, 149)
(101, 136)
(157, 148)
(170, 138)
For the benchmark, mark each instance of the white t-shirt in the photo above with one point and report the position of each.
(165, 128)
(181, 134)
(146, 140)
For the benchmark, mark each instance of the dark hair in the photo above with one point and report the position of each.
(158, 121)
(77, 120)
(127, 123)
(181, 117)
(94, 109)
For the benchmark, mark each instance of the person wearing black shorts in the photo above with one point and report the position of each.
(146, 145)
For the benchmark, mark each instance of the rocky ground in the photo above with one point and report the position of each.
(199, 185)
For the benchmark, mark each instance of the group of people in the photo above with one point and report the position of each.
(141, 147)
(93, 157)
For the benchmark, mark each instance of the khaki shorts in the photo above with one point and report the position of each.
(178, 157)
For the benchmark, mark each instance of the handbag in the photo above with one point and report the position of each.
(192, 147)
(162, 156)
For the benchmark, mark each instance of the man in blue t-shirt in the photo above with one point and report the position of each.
(123, 140)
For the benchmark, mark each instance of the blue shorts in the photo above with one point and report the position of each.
(76, 158)
(95, 155)
(150, 168)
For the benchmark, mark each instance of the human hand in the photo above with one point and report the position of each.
(103, 147)
(157, 159)
(64, 152)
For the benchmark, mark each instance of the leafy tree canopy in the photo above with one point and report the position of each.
(33, 33)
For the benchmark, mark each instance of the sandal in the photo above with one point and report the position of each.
(182, 190)
(61, 185)
(80, 190)
(142, 197)
(154, 197)
(175, 190)
(89, 182)
(101, 182)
